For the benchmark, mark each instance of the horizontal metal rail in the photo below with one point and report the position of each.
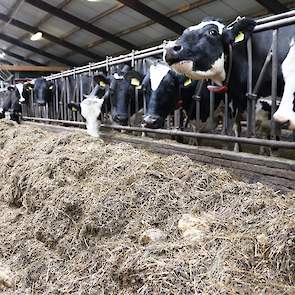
(223, 138)
(263, 24)
(275, 17)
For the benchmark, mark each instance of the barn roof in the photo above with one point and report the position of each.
(76, 32)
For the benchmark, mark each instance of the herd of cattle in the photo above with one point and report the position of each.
(202, 52)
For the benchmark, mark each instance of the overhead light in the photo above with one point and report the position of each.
(2, 54)
(37, 36)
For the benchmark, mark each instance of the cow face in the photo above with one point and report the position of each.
(120, 90)
(161, 85)
(200, 51)
(26, 91)
(43, 91)
(90, 109)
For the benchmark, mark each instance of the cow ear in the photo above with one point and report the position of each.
(74, 107)
(239, 31)
(30, 86)
(50, 85)
(101, 79)
(134, 77)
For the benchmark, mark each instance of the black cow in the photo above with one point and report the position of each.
(43, 91)
(165, 90)
(120, 90)
(9, 104)
(201, 52)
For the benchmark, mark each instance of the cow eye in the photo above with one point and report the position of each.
(213, 33)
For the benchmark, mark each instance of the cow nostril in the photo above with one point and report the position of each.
(177, 48)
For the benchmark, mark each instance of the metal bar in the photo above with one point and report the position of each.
(275, 24)
(31, 29)
(153, 14)
(275, 17)
(225, 138)
(80, 23)
(249, 87)
(226, 114)
(19, 57)
(21, 44)
(263, 70)
(274, 80)
(212, 105)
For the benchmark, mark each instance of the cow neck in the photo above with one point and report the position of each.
(224, 87)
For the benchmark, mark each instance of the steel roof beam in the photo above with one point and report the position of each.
(36, 50)
(80, 23)
(273, 6)
(49, 37)
(154, 15)
(19, 57)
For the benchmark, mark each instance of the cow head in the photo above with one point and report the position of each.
(43, 91)
(10, 107)
(120, 90)
(28, 87)
(161, 85)
(200, 52)
(90, 109)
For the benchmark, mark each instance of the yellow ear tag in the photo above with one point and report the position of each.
(139, 87)
(74, 109)
(187, 82)
(51, 87)
(240, 37)
(102, 84)
(135, 82)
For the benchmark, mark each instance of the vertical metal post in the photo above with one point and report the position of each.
(249, 87)
(226, 114)
(274, 81)
(197, 99)
(136, 90)
(212, 104)
(56, 100)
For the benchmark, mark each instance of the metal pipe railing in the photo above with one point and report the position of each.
(224, 138)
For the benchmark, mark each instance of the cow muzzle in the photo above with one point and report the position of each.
(153, 122)
(120, 119)
(172, 51)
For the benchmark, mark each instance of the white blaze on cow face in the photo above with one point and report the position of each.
(20, 88)
(90, 110)
(285, 111)
(157, 73)
(219, 25)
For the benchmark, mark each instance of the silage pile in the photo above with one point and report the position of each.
(82, 217)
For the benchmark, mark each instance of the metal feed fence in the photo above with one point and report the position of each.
(58, 112)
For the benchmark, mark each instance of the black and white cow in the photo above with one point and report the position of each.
(201, 52)
(165, 90)
(10, 107)
(286, 110)
(120, 91)
(90, 109)
(25, 90)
